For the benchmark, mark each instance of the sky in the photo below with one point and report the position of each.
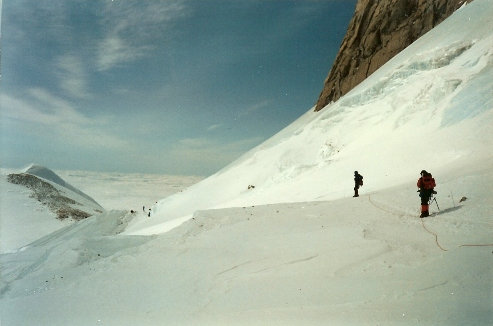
(171, 87)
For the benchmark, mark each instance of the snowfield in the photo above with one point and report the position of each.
(297, 249)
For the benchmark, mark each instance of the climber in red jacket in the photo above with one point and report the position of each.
(425, 184)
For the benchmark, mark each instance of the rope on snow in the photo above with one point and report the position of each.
(427, 230)
(433, 233)
(422, 222)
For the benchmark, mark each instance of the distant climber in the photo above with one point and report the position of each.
(426, 185)
(149, 214)
(143, 209)
(358, 182)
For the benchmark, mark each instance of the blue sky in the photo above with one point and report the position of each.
(169, 87)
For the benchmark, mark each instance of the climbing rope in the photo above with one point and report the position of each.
(477, 245)
(386, 210)
(433, 233)
(427, 230)
(422, 222)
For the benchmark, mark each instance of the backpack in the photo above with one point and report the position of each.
(428, 182)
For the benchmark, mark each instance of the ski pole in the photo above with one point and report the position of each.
(435, 199)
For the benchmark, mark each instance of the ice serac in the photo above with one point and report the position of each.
(377, 32)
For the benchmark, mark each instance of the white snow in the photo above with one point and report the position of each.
(428, 108)
(298, 249)
(23, 219)
(130, 190)
(49, 175)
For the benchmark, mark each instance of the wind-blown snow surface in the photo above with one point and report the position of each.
(311, 254)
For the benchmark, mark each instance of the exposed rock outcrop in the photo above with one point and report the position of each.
(53, 198)
(378, 31)
(49, 175)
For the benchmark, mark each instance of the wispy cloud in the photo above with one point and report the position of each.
(255, 107)
(194, 143)
(114, 50)
(214, 127)
(130, 27)
(57, 120)
(40, 106)
(72, 76)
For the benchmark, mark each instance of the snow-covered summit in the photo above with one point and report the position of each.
(43, 172)
(49, 175)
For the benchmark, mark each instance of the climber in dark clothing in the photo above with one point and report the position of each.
(358, 182)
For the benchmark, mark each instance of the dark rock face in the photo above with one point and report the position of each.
(49, 196)
(378, 31)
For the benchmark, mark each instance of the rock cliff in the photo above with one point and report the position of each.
(377, 32)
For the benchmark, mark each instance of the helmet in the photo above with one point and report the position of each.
(355, 172)
(423, 172)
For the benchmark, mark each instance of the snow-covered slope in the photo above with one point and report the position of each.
(47, 174)
(429, 108)
(36, 202)
(365, 261)
(321, 257)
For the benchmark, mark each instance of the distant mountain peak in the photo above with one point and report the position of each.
(53, 192)
(45, 173)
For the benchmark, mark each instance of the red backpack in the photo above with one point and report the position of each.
(426, 182)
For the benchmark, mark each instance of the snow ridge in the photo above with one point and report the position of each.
(53, 198)
(47, 174)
